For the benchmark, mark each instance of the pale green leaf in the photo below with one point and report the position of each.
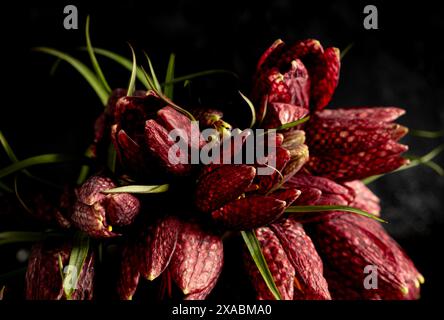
(153, 74)
(252, 109)
(92, 79)
(51, 158)
(426, 134)
(77, 258)
(140, 189)
(169, 88)
(308, 209)
(132, 82)
(93, 58)
(254, 248)
(124, 62)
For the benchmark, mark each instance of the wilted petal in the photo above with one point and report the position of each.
(129, 272)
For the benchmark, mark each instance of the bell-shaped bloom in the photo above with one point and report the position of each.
(293, 261)
(96, 213)
(352, 144)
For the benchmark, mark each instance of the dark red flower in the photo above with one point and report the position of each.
(293, 261)
(350, 144)
(95, 212)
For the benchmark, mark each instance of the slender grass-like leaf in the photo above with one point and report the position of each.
(93, 58)
(169, 88)
(5, 187)
(124, 62)
(415, 161)
(51, 158)
(293, 123)
(201, 74)
(165, 99)
(8, 237)
(112, 158)
(308, 209)
(17, 195)
(426, 134)
(132, 82)
(264, 114)
(92, 79)
(9, 152)
(77, 258)
(2, 290)
(252, 109)
(254, 248)
(84, 169)
(435, 167)
(139, 189)
(153, 73)
(346, 50)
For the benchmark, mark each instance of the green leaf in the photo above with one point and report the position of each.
(140, 189)
(93, 58)
(77, 258)
(20, 236)
(51, 158)
(165, 99)
(92, 79)
(426, 134)
(84, 169)
(169, 88)
(434, 166)
(346, 50)
(256, 253)
(112, 158)
(19, 198)
(293, 123)
(153, 74)
(252, 109)
(307, 209)
(201, 74)
(124, 62)
(5, 187)
(9, 152)
(132, 82)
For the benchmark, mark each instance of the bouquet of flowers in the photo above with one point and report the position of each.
(167, 185)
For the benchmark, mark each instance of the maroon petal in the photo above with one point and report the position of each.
(365, 199)
(122, 209)
(223, 185)
(378, 114)
(378, 160)
(310, 282)
(158, 247)
(250, 212)
(129, 273)
(197, 260)
(159, 145)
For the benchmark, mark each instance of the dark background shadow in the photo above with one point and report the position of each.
(400, 64)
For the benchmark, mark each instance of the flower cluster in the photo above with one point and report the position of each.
(319, 163)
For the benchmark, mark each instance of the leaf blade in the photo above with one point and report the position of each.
(169, 87)
(307, 209)
(93, 58)
(252, 109)
(255, 250)
(51, 158)
(90, 77)
(139, 189)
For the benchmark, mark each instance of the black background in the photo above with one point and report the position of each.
(401, 64)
